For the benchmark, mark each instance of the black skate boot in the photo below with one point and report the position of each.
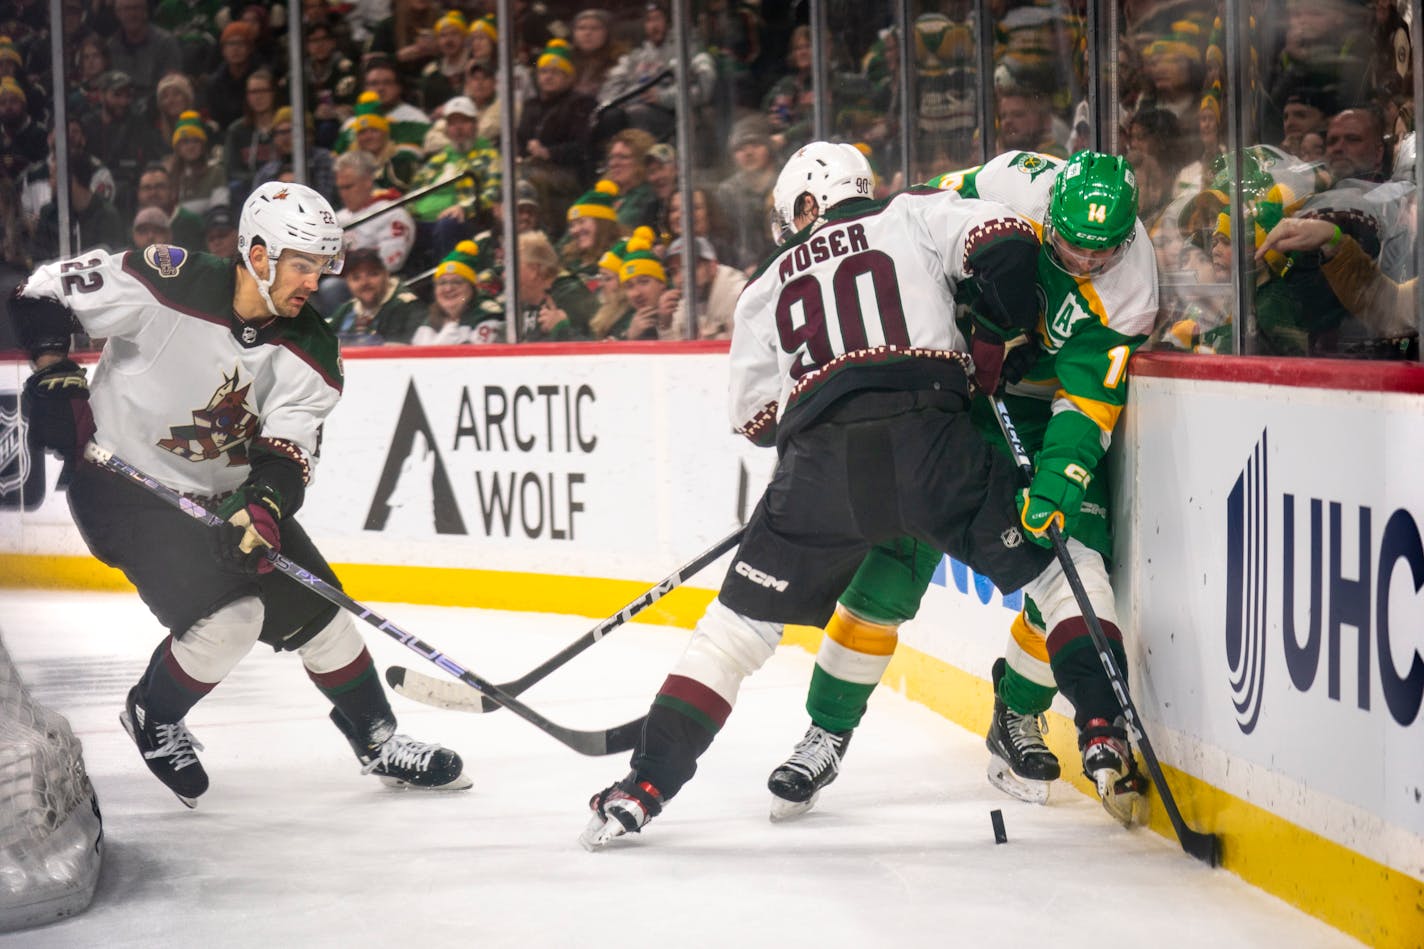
(1020, 764)
(401, 761)
(1108, 761)
(622, 808)
(168, 750)
(814, 763)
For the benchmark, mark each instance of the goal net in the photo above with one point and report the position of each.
(50, 831)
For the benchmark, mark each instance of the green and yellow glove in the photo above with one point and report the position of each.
(1072, 448)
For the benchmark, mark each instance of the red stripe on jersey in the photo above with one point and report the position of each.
(697, 695)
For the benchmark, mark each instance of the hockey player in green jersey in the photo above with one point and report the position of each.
(1097, 275)
(216, 380)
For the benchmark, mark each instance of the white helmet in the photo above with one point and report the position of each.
(287, 217)
(828, 172)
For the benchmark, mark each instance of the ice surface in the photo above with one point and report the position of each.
(293, 847)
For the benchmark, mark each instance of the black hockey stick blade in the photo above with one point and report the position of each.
(593, 743)
(1204, 847)
(442, 693)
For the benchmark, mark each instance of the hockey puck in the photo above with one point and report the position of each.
(997, 819)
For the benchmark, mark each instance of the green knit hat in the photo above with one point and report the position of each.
(559, 55)
(463, 261)
(368, 113)
(1185, 39)
(190, 125)
(612, 258)
(453, 19)
(597, 203)
(640, 261)
(485, 25)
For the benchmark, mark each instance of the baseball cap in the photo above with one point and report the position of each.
(662, 153)
(705, 250)
(461, 105)
(115, 79)
(525, 193)
(218, 217)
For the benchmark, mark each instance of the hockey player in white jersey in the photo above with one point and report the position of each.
(215, 379)
(1097, 273)
(847, 357)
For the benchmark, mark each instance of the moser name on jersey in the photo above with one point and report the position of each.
(822, 247)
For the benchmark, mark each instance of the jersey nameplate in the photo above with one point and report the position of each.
(165, 258)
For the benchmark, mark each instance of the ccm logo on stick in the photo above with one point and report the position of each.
(763, 579)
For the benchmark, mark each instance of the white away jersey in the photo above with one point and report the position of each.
(869, 282)
(183, 388)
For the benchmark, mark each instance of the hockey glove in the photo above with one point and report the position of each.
(42, 325)
(56, 408)
(251, 529)
(1052, 498)
(997, 359)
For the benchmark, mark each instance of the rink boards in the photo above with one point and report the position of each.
(1268, 545)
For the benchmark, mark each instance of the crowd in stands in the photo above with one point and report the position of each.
(179, 108)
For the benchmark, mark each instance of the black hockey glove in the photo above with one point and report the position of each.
(42, 325)
(997, 359)
(251, 529)
(55, 403)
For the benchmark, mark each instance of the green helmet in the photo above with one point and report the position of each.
(1093, 207)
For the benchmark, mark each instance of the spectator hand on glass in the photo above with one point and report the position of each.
(1296, 234)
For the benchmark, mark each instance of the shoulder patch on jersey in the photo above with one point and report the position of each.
(165, 258)
(1032, 164)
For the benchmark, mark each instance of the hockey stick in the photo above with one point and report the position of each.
(611, 741)
(442, 693)
(1205, 847)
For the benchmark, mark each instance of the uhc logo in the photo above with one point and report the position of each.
(1247, 563)
(1329, 611)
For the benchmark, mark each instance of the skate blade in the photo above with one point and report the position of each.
(599, 831)
(460, 783)
(1002, 777)
(784, 810)
(1125, 805)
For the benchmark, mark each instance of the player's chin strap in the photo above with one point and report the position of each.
(263, 286)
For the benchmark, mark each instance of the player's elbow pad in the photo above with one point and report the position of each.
(42, 325)
(1007, 275)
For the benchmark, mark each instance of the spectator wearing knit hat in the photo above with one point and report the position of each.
(743, 195)
(397, 164)
(408, 125)
(592, 229)
(643, 280)
(12, 67)
(22, 141)
(199, 181)
(595, 52)
(553, 136)
(612, 304)
(455, 316)
(443, 76)
(225, 90)
(332, 83)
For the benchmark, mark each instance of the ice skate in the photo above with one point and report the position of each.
(814, 763)
(1020, 764)
(622, 808)
(1108, 761)
(168, 750)
(403, 762)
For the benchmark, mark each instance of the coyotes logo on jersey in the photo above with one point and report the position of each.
(223, 427)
